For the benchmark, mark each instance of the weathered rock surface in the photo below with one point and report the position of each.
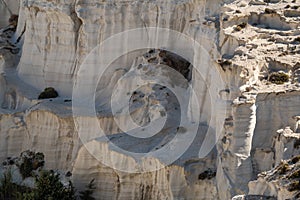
(7, 8)
(282, 182)
(247, 44)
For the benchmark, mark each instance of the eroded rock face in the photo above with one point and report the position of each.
(281, 182)
(171, 182)
(8, 8)
(56, 53)
(244, 43)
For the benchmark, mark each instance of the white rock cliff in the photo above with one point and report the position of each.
(243, 121)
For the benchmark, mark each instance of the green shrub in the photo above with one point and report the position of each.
(7, 187)
(49, 92)
(279, 77)
(10, 190)
(48, 186)
(30, 161)
(26, 168)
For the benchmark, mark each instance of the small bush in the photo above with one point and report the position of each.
(297, 39)
(243, 25)
(7, 187)
(30, 161)
(49, 92)
(237, 28)
(48, 186)
(269, 11)
(224, 63)
(295, 159)
(68, 174)
(13, 20)
(294, 186)
(10, 190)
(295, 175)
(240, 26)
(208, 174)
(297, 144)
(279, 77)
(26, 168)
(283, 168)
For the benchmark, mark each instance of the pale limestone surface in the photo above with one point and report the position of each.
(59, 35)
